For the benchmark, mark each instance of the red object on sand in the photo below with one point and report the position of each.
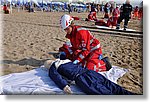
(76, 18)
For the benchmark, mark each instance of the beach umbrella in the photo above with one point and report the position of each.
(58, 3)
(65, 5)
(36, 2)
(40, 2)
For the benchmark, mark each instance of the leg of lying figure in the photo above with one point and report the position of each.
(89, 81)
(94, 83)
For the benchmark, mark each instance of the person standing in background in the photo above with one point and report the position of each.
(140, 13)
(69, 8)
(136, 10)
(106, 10)
(126, 15)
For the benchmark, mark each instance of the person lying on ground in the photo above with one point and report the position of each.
(91, 17)
(112, 21)
(88, 81)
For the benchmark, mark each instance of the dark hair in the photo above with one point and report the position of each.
(72, 23)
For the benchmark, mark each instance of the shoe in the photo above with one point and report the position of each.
(107, 62)
(117, 28)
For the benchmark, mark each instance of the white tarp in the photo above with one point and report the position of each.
(37, 81)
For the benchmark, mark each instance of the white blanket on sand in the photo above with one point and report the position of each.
(37, 81)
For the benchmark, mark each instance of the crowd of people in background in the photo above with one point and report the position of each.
(111, 11)
(114, 14)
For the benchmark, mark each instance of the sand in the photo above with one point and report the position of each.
(28, 37)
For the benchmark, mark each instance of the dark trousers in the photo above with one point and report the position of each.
(126, 18)
(94, 83)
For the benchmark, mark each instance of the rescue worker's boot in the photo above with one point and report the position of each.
(125, 27)
(118, 26)
(107, 62)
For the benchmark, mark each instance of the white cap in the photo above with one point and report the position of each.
(65, 21)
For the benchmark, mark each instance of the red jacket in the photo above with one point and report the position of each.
(115, 12)
(136, 10)
(82, 43)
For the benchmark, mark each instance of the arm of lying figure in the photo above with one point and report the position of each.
(56, 77)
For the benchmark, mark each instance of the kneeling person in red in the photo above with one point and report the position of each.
(84, 48)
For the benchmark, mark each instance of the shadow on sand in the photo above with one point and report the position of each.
(26, 61)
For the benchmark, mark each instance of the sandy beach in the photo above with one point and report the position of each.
(28, 37)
